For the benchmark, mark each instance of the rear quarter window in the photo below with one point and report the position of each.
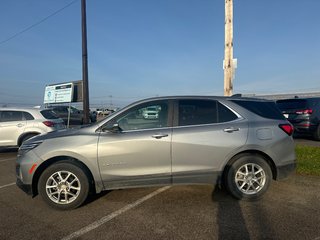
(49, 114)
(28, 116)
(264, 109)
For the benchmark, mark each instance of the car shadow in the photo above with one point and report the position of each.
(231, 223)
(95, 196)
(8, 150)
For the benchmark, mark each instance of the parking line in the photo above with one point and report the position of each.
(111, 216)
(7, 159)
(7, 185)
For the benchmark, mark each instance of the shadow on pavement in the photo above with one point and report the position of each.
(8, 150)
(231, 223)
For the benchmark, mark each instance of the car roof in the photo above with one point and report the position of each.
(21, 108)
(181, 97)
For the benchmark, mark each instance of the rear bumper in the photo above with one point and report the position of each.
(304, 128)
(285, 170)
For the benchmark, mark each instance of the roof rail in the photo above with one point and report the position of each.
(236, 95)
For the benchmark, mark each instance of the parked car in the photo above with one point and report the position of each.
(150, 112)
(76, 115)
(304, 114)
(19, 124)
(240, 143)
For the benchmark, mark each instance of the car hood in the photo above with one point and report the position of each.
(56, 134)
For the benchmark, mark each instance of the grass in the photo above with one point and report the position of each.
(308, 160)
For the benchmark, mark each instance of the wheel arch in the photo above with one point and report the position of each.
(23, 135)
(264, 156)
(54, 160)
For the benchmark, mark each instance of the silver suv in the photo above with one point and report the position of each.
(240, 143)
(20, 124)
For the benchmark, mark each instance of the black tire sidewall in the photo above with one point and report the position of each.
(316, 134)
(242, 160)
(26, 137)
(66, 166)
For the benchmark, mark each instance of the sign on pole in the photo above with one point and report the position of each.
(60, 93)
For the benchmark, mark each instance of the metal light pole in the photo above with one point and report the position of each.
(85, 86)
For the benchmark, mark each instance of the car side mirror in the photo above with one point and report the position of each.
(114, 128)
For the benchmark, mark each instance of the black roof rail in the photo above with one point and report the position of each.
(237, 95)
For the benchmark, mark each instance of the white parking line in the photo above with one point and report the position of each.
(111, 216)
(7, 185)
(7, 159)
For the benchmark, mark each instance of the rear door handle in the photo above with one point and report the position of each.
(20, 125)
(158, 136)
(231, 129)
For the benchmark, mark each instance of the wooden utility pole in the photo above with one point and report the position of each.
(228, 63)
(85, 89)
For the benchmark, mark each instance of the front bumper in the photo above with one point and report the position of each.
(27, 188)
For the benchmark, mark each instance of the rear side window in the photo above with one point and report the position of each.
(196, 112)
(292, 104)
(48, 114)
(10, 116)
(261, 108)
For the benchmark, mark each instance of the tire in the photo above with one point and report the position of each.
(64, 185)
(316, 134)
(249, 177)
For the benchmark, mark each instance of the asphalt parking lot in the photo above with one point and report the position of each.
(290, 210)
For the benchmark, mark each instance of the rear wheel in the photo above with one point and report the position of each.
(64, 186)
(248, 177)
(26, 137)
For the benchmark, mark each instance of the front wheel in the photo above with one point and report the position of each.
(248, 177)
(64, 186)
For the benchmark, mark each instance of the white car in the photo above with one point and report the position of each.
(151, 113)
(20, 124)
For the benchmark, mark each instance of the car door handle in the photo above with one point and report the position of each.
(158, 136)
(231, 129)
(20, 125)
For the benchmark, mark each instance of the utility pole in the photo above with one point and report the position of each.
(229, 64)
(85, 84)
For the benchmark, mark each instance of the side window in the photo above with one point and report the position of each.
(10, 116)
(195, 112)
(225, 114)
(28, 116)
(146, 116)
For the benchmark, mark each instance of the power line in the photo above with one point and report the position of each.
(37, 23)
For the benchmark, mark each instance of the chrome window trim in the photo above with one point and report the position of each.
(209, 124)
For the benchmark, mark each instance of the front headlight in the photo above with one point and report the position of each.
(25, 147)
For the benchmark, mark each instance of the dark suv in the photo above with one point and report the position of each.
(76, 115)
(304, 114)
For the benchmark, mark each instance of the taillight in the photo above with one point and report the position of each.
(287, 128)
(48, 123)
(306, 111)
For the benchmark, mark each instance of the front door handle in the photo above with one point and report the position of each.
(231, 129)
(158, 136)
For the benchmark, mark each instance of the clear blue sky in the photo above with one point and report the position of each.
(144, 48)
